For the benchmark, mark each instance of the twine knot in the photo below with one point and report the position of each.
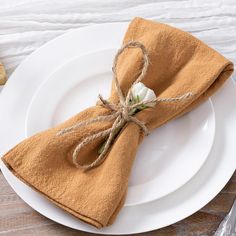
(121, 113)
(125, 112)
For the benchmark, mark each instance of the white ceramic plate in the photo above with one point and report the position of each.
(172, 160)
(14, 102)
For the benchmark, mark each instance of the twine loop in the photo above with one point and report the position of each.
(121, 113)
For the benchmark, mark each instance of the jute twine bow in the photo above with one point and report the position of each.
(122, 113)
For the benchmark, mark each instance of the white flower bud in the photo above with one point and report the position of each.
(141, 93)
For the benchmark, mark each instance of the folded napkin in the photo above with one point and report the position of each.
(179, 65)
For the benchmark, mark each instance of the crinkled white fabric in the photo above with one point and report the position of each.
(27, 24)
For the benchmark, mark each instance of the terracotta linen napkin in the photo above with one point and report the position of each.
(179, 63)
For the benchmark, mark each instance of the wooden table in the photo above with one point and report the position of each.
(17, 218)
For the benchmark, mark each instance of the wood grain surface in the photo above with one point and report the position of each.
(18, 219)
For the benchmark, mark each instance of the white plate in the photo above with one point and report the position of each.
(15, 99)
(173, 159)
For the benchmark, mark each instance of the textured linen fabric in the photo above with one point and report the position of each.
(26, 24)
(179, 63)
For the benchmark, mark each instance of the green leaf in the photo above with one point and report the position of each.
(100, 150)
(138, 98)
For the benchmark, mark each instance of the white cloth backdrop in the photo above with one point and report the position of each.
(27, 24)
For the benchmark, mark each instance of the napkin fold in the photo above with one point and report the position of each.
(179, 63)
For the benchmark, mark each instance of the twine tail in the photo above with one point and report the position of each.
(87, 122)
(111, 133)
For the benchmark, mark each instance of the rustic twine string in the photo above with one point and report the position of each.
(122, 113)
